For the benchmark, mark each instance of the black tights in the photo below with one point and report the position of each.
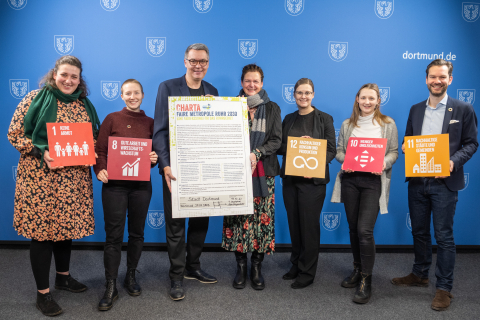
(41, 258)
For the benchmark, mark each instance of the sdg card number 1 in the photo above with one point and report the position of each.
(71, 144)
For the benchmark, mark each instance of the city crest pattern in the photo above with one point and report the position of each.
(63, 44)
(110, 90)
(110, 5)
(19, 88)
(294, 7)
(384, 9)
(203, 6)
(156, 46)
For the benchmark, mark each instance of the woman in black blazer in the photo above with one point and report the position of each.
(304, 196)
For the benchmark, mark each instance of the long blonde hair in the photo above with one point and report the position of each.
(377, 115)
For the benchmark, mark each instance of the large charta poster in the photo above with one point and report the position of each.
(209, 156)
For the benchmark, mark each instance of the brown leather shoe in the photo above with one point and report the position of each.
(442, 300)
(410, 281)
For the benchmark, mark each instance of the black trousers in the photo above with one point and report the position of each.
(175, 231)
(361, 193)
(118, 198)
(304, 201)
(41, 259)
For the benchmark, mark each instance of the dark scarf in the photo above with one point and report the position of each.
(257, 137)
(43, 110)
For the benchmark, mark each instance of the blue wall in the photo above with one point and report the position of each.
(291, 41)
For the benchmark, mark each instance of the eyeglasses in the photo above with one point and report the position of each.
(307, 94)
(194, 62)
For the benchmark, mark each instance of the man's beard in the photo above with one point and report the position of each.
(441, 93)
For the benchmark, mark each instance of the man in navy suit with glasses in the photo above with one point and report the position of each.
(438, 196)
(184, 257)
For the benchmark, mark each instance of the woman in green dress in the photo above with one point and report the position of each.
(256, 232)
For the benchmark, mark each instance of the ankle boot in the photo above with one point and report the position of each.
(354, 278)
(47, 305)
(258, 283)
(130, 283)
(240, 279)
(66, 282)
(110, 295)
(364, 289)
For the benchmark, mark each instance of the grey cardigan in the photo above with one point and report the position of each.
(389, 131)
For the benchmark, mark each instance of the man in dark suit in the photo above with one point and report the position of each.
(438, 196)
(191, 84)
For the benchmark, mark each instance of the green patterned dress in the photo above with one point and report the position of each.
(254, 232)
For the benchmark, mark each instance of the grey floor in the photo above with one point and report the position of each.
(325, 299)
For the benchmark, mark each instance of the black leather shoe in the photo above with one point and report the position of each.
(258, 283)
(110, 295)
(66, 282)
(47, 305)
(364, 289)
(354, 278)
(200, 275)
(300, 285)
(240, 279)
(130, 283)
(292, 274)
(176, 290)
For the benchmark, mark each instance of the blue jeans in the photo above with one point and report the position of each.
(428, 196)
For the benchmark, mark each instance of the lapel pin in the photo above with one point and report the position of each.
(450, 109)
(129, 126)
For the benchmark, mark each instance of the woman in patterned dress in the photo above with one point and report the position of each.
(256, 232)
(53, 204)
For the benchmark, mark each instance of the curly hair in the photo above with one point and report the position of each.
(73, 61)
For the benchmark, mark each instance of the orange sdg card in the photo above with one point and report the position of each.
(427, 156)
(306, 157)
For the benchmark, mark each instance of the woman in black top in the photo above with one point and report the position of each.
(304, 196)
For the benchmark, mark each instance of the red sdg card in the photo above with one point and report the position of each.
(365, 154)
(71, 144)
(128, 159)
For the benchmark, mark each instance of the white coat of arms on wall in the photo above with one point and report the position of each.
(247, 48)
(19, 88)
(384, 95)
(110, 5)
(384, 9)
(294, 7)
(110, 90)
(466, 95)
(287, 93)
(331, 220)
(156, 46)
(156, 219)
(337, 51)
(470, 11)
(63, 44)
(17, 4)
(202, 6)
